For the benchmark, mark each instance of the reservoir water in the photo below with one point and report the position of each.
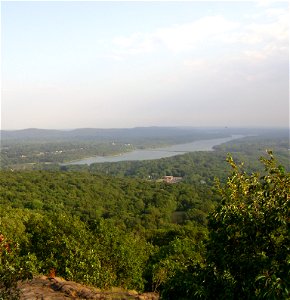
(156, 153)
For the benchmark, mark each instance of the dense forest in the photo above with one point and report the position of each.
(222, 232)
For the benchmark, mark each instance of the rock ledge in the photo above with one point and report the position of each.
(45, 288)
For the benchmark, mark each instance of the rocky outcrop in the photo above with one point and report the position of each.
(45, 288)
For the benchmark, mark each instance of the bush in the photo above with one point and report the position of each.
(13, 268)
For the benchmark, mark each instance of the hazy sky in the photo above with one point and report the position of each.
(127, 64)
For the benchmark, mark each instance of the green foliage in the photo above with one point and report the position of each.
(13, 267)
(55, 239)
(247, 255)
(173, 259)
(139, 234)
(123, 256)
(42, 154)
(133, 204)
(103, 255)
(249, 240)
(176, 250)
(97, 229)
(197, 167)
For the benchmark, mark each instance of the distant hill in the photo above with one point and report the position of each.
(111, 133)
(127, 133)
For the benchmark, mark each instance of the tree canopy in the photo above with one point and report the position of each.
(247, 254)
(108, 231)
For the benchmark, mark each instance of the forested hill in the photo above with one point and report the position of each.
(117, 134)
(127, 134)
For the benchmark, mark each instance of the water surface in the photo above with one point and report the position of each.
(157, 153)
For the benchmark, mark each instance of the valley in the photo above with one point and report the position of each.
(146, 225)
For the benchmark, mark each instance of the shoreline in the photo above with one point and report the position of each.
(167, 152)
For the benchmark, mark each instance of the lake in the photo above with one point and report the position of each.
(157, 153)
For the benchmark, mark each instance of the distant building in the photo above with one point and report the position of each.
(171, 179)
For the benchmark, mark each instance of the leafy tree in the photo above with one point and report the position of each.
(176, 250)
(63, 243)
(122, 256)
(13, 267)
(248, 252)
